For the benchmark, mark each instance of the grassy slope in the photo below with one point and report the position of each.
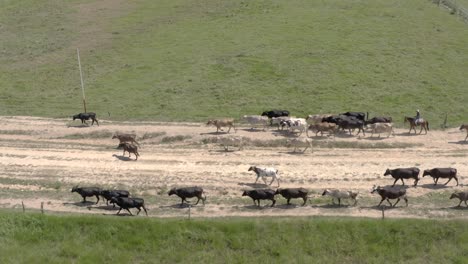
(27, 238)
(189, 60)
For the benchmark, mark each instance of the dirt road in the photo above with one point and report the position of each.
(41, 159)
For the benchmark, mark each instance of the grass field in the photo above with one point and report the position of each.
(189, 60)
(37, 238)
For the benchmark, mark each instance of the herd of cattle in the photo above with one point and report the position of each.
(122, 198)
(332, 124)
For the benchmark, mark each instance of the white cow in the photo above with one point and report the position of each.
(300, 143)
(257, 120)
(341, 195)
(381, 128)
(265, 172)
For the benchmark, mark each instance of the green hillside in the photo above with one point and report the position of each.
(193, 59)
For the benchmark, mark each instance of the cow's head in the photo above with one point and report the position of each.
(426, 172)
(387, 172)
(75, 188)
(252, 168)
(265, 113)
(76, 117)
(454, 195)
(172, 191)
(325, 192)
(278, 191)
(463, 127)
(375, 189)
(245, 193)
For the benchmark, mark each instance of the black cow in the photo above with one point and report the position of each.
(290, 193)
(359, 115)
(86, 116)
(378, 119)
(126, 203)
(87, 192)
(275, 113)
(387, 194)
(188, 192)
(404, 173)
(351, 124)
(109, 194)
(261, 194)
(437, 173)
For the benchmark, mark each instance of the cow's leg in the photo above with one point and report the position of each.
(339, 201)
(258, 176)
(466, 136)
(119, 210)
(396, 202)
(459, 204)
(84, 199)
(129, 211)
(139, 210)
(466, 204)
(182, 202)
(379, 203)
(456, 180)
(402, 181)
(435, 180)
(258, 202)
(272, 179)
(305, 200)
(198, 200)
(146, 212)
(395, 182)
(289, 199)
(274, 201)
(389, 202)
(97, 196)
(448, 181)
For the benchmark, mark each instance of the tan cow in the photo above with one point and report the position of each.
(219, 123)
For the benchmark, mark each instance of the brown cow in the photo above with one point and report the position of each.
(130, 148)
(219, 123)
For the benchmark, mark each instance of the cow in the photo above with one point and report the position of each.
(109, 194)
(437, 173)
(387, 194)
(275, 113)
(358, 115)
(298, 124)
(289, 193)
(378, 128)
(315, 119)
(265, 172)
(220, 123)
(378, 119)
(256, 120)
(261, 194)
(188, 192)
(280, 122)
(404, 173)
(130, 148)
(230, 141)
(463, 196)
(126, 203)
(126, 138)
(351, 124)
(300, 143)
(341, 195)
(86, 116)
(465, 126)
(87, 192)
(322, 127)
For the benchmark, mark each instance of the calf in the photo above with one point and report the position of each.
(378, 119)
(437, 173)
(403, 173)
(290, 193)
(219, 123)
(87, 192)
(261, 194)
(188, 192)
(463, 196)
(86, 116)
(130, 148)
(126, 203)
(109, 194)
(341, 195)
(130, 138)
(387, 194)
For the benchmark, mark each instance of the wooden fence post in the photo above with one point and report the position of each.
(42, 207)
(22, 204)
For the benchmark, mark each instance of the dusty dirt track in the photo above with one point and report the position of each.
(41, 159)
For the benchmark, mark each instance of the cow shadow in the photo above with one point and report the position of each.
(383, 206)
(253, 130)
(253, 185)
(261, 207)
(122, 158)
(290, 206)
(78, 126)
(375, 138)
(459, 208)
(107, 207)
(284, 133)
(216, 133)
(81, 204)
(345, 135)
(407, 134)
(333, 206)
(461, 142)
(434, 187)
(182, 206)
